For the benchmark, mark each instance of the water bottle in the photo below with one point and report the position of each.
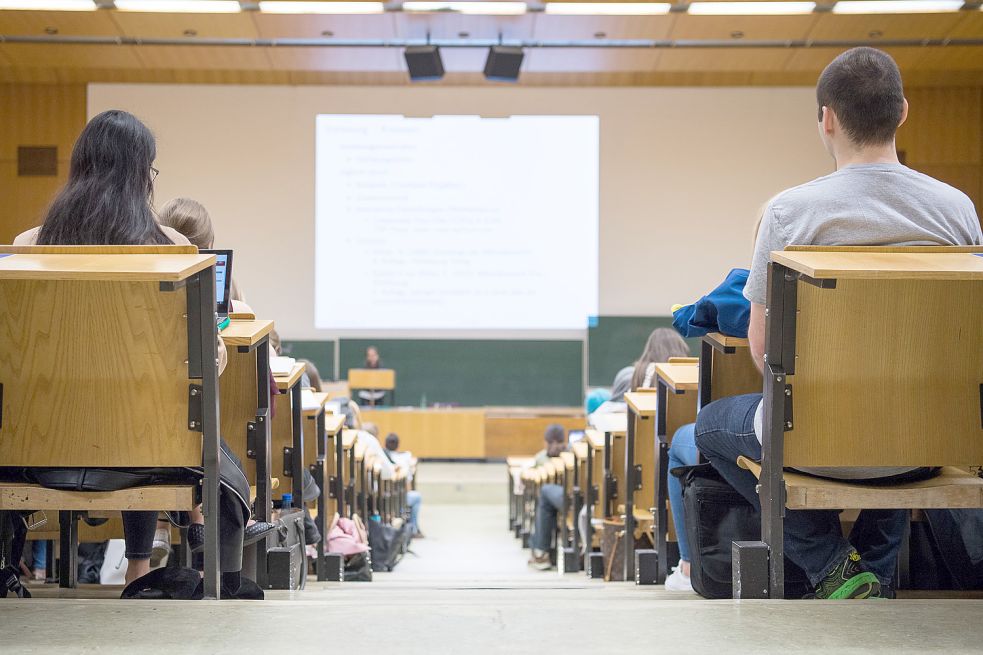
(286, 503)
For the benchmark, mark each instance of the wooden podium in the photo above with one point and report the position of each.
(373, 379)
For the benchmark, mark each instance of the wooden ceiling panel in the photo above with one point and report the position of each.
(551, 26)
(751, 28)
(70, 56)
(174, 26)
(575, 60)
(816, 59)
(883, 26)
(724, 60)
(288, 26)
(204, 57)
(969, 27)
(451, 26)
(335, 59)
(67, 23)
(952, 58)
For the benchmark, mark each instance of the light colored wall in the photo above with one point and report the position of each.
(684, 172)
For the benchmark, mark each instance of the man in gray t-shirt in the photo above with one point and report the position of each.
(871, 199)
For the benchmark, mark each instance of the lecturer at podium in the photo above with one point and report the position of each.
(372, 396)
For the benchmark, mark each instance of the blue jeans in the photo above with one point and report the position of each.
(682, 452)
(813, 538)
(413, 499)
(549, 504)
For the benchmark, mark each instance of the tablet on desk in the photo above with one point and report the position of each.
(223, 282)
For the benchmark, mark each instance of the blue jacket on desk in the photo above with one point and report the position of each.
(724, 310)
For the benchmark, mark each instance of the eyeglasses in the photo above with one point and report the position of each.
(154, 173)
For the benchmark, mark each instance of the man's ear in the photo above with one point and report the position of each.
(830, 124)
(904, 112)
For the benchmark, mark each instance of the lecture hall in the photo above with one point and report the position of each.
(501, 326)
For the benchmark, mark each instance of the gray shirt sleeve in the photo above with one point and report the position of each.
(771, 236)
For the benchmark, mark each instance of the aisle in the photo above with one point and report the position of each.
(467, 590)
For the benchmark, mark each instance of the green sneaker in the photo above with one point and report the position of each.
(849, 580)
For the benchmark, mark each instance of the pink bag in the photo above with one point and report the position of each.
(344, 537)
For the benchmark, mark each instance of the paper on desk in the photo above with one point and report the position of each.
(282, 365)
(308, 400)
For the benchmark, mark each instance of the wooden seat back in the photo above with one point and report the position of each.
(94, 359)
(888, 365)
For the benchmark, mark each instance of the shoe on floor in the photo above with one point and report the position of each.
(849, 579)
(678, 581)
(162, 547)
(540, 560)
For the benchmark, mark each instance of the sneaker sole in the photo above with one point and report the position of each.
(863, 585)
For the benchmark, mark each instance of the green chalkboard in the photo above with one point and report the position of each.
(477, 372)
(319, 352)
(617, 341)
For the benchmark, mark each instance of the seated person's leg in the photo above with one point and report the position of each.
(878, 534)
(413, 499)
(813, 539)
(549, 503)
(682, 452)
(138, 533)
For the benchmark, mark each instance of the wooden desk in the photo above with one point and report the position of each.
(452, 433)
(726, 369)
(614, 426)
(317, 457)
(86, 399)
(287, 432)
(245, 416)
(639, 459)
(373, 379)
(593, 563)
(348, 440)
(520, 429)
(882, 265)
(335, 461)
(676, 387)
(515, 465)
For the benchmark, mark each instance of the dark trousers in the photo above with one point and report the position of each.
(813, 538)
(549, 504)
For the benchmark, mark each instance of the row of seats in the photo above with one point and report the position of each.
(851, 380)
(114, 355)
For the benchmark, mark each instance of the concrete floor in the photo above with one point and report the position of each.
(467, 590)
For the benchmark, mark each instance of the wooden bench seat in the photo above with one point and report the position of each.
(15, 496)
(952, 488)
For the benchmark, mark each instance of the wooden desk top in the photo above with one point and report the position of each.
(245, 333)
(285, 382)
(519, 461)
(320, 399)
(130, 268)
(679, 377)
(348, 438)
(580, 449)
(333, 423)
(883, 265)
(533, 412)
(360, 449)
(613, 422)
(645, 403)
(595, 438)
(724, 341)
(568, 459)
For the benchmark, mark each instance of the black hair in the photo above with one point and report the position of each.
(106, 200)
(392, 441)
(555, 433)
(863, 86)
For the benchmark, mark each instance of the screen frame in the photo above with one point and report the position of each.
(222, 308)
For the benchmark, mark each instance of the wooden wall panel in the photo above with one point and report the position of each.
(34, 115)
(517, 436)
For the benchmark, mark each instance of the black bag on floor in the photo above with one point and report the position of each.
(358, 568)
(953, 552)
(386, 543)
(717, 516)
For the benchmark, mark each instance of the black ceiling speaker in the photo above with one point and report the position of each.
(503, 63)
(424, 63)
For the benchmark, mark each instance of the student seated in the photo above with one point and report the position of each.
(871, 199)
(404, 460)
(550, 501)
(106, 201)
(662, 344)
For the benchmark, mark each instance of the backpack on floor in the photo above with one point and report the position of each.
(386, 543)
(717, 516)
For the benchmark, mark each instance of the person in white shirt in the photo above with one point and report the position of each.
(405, 460)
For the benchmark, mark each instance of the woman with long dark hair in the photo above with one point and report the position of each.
(107, 201)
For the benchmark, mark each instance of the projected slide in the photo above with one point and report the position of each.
(456, 222)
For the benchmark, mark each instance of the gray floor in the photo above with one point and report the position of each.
(467, 589)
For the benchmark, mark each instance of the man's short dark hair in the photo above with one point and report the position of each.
(863, 87)
(555, 433)
(392, 441)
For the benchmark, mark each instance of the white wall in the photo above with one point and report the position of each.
(684, 172)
